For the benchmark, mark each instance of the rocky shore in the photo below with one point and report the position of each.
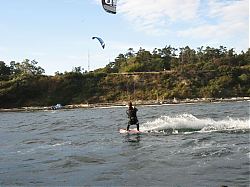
(123, 104)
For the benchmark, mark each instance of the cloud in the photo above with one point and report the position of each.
(206, 21)
(225, 22)
(157, 9)
(155, 16)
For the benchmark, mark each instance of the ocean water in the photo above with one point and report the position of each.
(204, 144)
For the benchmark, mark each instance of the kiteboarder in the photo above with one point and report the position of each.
(131, 112)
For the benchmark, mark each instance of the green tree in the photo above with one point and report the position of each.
(4, 70)
(26, 67)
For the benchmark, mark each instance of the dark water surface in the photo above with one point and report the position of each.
(182, 145)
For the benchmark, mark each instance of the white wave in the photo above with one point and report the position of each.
(188, 121)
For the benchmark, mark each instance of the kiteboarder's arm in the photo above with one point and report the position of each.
(127, 112)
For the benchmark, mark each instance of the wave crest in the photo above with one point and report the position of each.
(186, 123)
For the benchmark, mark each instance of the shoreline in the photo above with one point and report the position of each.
(124, 104)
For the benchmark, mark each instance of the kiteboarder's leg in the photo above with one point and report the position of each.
(128, 126)
(137, 126)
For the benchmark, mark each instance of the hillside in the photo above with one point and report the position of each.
(132, 76)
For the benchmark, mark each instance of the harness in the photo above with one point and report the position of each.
(132, 116)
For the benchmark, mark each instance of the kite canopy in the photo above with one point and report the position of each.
(100, 40)
(109, 6)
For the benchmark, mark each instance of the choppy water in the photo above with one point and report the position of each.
(182, 145)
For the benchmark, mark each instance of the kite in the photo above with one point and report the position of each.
(109, 6)
(100, 40)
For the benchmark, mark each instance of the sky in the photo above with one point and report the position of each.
(58, 33)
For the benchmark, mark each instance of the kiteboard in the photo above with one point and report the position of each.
(132, 131)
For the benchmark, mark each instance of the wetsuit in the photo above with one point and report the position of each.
(131, 112)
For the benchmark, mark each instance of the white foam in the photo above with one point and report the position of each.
(189, 121)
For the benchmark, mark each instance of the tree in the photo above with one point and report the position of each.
(167, 54)
(144, 58)
(4, 70)
(26, 67)
(188, 55)
(130, 53)
(78, 69)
